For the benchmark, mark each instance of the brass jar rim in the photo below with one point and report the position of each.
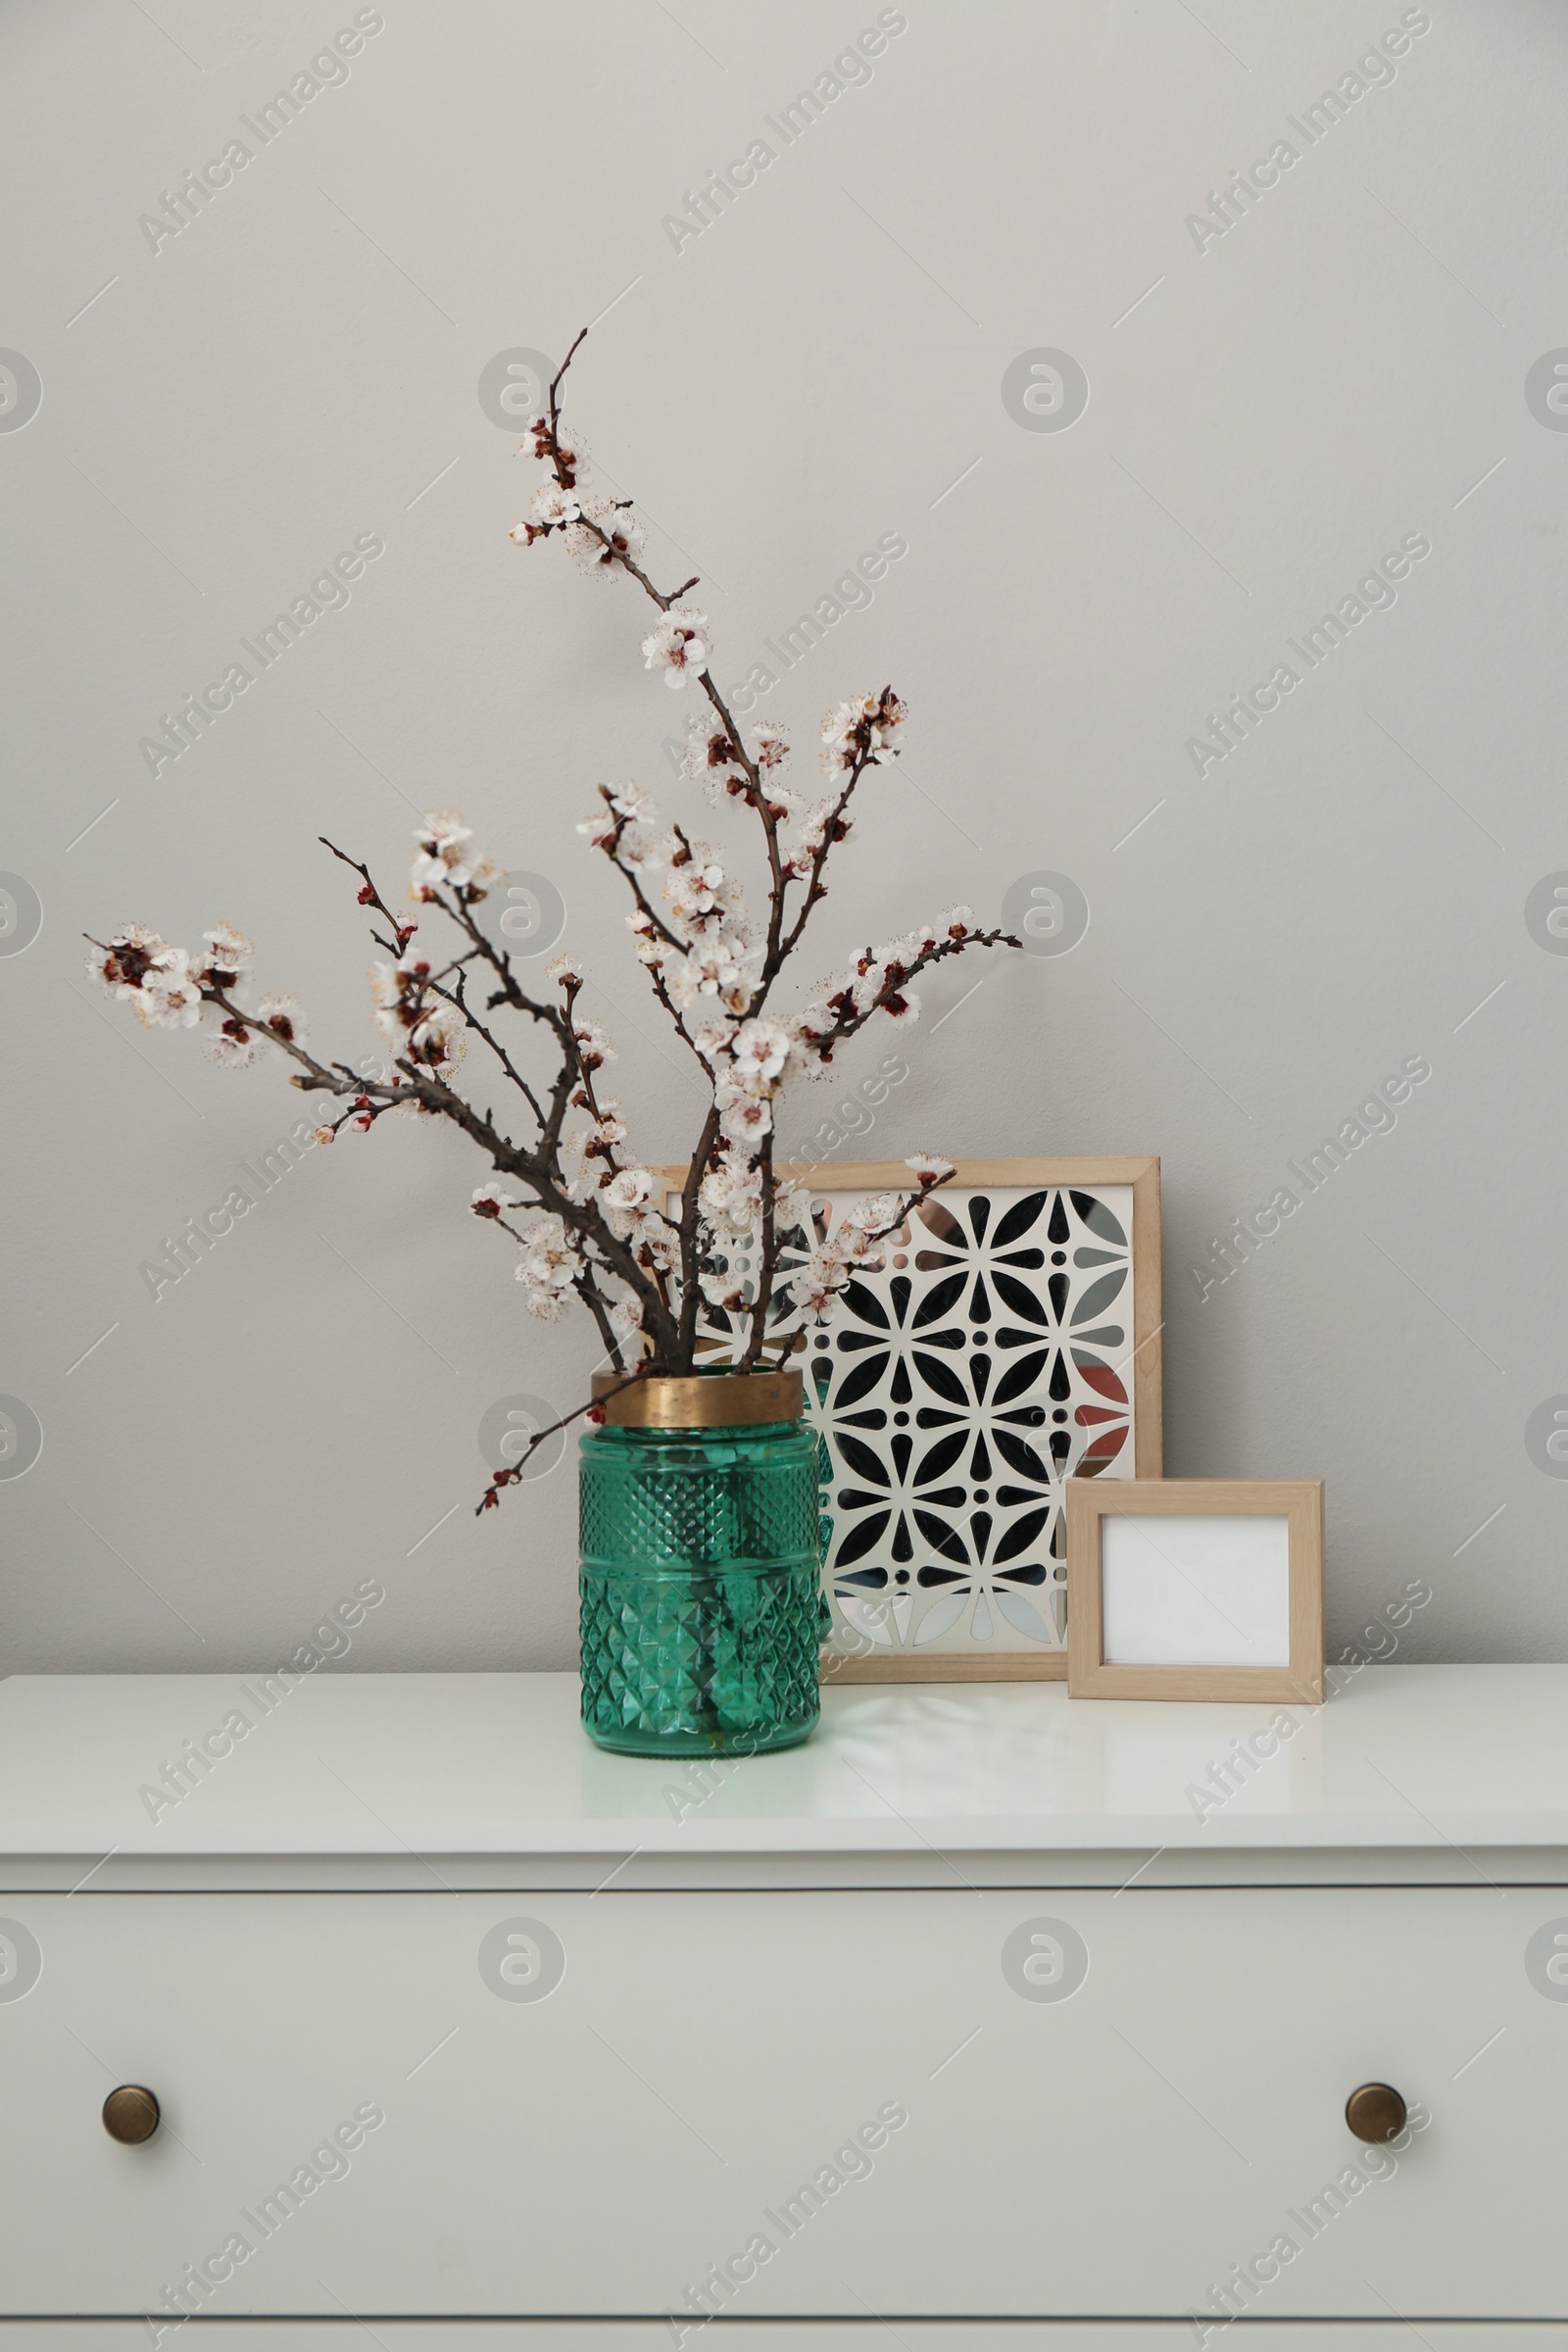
(699, 1400)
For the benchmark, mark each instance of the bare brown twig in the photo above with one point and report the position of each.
(510, 1477)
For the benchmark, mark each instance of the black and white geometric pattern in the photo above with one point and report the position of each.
(955, 1389)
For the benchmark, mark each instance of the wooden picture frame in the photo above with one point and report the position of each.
(1121, 1421)
(1278, 1577)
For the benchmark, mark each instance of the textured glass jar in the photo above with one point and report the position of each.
(701, 1595)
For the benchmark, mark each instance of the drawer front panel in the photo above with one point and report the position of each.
(760, 2105)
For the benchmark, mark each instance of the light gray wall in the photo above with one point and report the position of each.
(1270, 411)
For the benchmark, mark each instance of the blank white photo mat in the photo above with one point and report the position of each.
(1198, 1590)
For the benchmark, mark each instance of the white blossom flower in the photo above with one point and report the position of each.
(812, 1285)
(232, 1048)
(229, 951)
(810, 835)
(561, 969)
(584, 1182)
(927, 1166)
(553, 506)
(547, 1240)
(897, 953)
(792, 1205)
(280, 1009)
(628, 800)
(724, 1289)
(599, 828)
(169, 996)
(447, 857)
(701, 972)
(872, 985)
(694, 890)
(839, 724)
(955, 921)
(638, 848)
(542, 1298)
(648, 947)
(710, 1031)
(626, 1319)
(730, 1197)
(625, 535)
(658, 1242)
(760, 1051)
(489, 1200)
(865, 1217)
(627, 1202)
(864, 728)
(122, 965)
(678, 646)
(769, 746)
(711, 756)
(747, 1122)
(572, 451)
(815, 1020)
(437, 1042)
(851, 1247)
(594, 1048)
(548, 1267)
(630, 1189)
(716, 965)
(398, 990)
(859, 1239)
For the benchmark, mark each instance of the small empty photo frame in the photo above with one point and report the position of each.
(1196, 1588)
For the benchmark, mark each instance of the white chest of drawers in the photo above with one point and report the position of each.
(986, 2018)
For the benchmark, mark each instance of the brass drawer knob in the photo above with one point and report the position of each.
(130, 2114)
(1375, 2112)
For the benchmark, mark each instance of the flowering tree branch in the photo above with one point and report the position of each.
(593, 1411)
(587, 1216)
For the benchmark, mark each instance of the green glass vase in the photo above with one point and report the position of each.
(703, 1609)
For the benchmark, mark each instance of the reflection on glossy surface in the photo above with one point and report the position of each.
(1436, 1758)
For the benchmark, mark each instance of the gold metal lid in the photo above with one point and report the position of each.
(703, 1401)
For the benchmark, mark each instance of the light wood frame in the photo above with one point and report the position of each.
(1142, 1173)
(1299, 1501)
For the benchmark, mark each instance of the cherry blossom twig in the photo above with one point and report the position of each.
(510, 1477)
(594, 1225)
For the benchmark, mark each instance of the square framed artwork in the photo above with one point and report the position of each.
(1009, 1343)
(1196, 1588)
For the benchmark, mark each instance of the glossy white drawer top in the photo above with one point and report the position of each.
(129, 1773)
